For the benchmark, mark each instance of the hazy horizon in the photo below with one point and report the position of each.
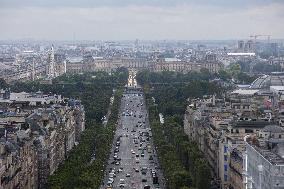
(142, 19)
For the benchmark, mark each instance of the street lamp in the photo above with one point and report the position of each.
(245, 162)
(260, 173)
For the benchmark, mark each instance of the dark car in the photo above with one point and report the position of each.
(146, 187)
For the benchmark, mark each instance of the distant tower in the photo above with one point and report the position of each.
(65, 68)
(33, 71)
(250, 46)
(136, 43)
(51, 70)
(241, 45)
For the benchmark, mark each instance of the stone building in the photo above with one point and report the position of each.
(236, 170)
(263, 165)
(157, 65)
(35, 138)
(219, 126)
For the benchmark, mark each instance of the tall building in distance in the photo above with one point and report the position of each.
(249, 46)
(136, 44)
(246, 46)
(56, 64)
(241, 45)
(51, 63)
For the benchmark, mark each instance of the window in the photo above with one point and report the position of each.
(225, 149)
(225, 158)
(248, 130)
(225, 178)
(225, 167)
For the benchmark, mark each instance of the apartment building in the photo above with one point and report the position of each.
(36, 136)
(264, 163)
(219, 126)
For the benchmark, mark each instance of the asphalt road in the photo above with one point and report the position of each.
(133, 137)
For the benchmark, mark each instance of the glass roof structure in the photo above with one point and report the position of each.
(265, 81)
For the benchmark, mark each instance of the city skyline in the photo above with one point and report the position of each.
(146, 20)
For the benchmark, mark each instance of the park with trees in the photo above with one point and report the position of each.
(94, 89)
(183, 164)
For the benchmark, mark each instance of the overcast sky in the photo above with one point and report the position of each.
(142, 19)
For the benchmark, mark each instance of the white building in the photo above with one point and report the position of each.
(264, 167)
(35, 98)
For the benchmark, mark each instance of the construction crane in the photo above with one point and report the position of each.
(256, 36)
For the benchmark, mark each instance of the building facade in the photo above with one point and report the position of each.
(37, 133)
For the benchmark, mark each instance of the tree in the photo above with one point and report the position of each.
(181, 178)
(178, 157)
(202, 173)
(205, 74)
(266, 68)
(3, 84)
(234, 70)
(77, 171)
(245, 79)
(224, 75)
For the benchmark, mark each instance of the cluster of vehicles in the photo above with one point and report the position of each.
(112, 175)
(131, 79)
(115, 154)
(132, 163)
(113, 171)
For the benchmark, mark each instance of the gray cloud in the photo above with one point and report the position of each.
(156, 19)
(99, 3)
